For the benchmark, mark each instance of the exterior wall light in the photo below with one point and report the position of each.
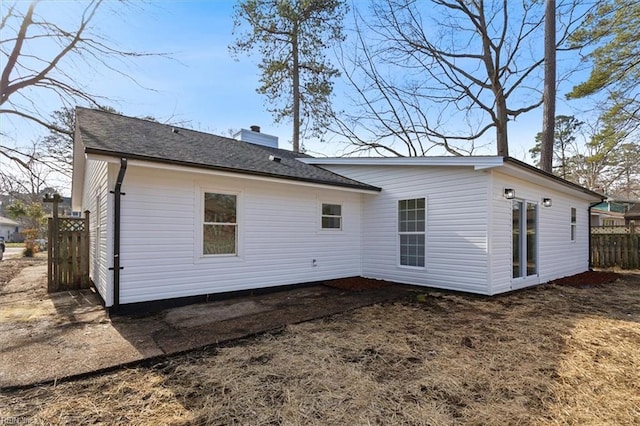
(547, 202)
(509, 193)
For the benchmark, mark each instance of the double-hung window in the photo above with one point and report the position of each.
(220, 224)
(331, 216)
(573, 223)
(411, 232)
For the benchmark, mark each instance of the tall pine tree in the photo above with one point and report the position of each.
(612, 30)
(292, 36)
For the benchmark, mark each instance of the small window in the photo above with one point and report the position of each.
(331, 216)
(573, 224)
(220, 227)
(411, 232)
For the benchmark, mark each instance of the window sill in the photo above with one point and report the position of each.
(218, 258)
(414, 268)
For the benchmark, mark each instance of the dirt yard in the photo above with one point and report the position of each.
(555, 354)
(9, 268)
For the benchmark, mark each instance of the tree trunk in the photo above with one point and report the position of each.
(549, 97)
(502, 140)
(296, 89)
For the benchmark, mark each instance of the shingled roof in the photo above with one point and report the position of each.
(119, 136)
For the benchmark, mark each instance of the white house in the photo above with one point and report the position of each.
(9, 229)
(181, 215)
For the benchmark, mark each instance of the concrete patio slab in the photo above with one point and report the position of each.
(45, 338)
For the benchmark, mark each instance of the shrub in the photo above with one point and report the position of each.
(28, 251)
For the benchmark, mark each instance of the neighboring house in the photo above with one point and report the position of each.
(606, 218)
(205, 214)
(10, 230)
(633, 215)
(64, 208)
(610, 213)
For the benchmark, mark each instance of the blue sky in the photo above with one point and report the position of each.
(202, 86)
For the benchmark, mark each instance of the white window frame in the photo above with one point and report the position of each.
(400, 233)
(199, 243)
(573, 224)
(322, 215)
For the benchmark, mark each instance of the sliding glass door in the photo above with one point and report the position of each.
(525, 239)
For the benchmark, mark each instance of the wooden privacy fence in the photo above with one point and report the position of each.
(68, 253)
(616, 249)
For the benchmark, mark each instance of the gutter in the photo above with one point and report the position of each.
(116, 234)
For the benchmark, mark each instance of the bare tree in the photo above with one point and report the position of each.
(58, 145)
(27, 182)
(26, 73)
(443, 73)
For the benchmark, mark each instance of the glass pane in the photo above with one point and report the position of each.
(402, 221)
(331, 222)
(219, 239)
(411, 215)
(219, 208)
(412, 250)
(332, 209)
(532, 239)
(573, 215)
(516, 238)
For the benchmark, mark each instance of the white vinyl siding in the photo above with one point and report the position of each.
(96, 200)
(456, 224)
(280, 240)
(557, 255)
(277, 232)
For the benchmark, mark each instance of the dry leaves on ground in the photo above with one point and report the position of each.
(547, 355)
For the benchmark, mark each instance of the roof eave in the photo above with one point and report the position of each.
(478, 162)
(530, 168)
(116, 156)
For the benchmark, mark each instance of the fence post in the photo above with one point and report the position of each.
(50, 242)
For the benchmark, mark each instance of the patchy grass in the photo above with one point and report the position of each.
(14, 245)
(549, 355)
